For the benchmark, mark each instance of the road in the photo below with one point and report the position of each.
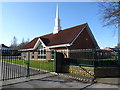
(43, 80)
(48, 80)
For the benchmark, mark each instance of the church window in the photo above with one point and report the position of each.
(42, 54)
(52, 54)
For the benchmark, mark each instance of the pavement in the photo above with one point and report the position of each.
(112, 81)
(53, 80)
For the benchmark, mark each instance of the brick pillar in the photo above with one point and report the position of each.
(119, 57)
(26, 58)
(35, 55)
(30, 55)
(48, 54)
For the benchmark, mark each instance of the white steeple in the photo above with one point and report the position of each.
(57, 27)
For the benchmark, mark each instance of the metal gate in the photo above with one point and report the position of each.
(16, 64)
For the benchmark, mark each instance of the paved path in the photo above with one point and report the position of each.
(48, 80)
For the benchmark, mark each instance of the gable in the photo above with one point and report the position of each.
(36, 43)
(92, 37)
(84, 41)
(39, 44)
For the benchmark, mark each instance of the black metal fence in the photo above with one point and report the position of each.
(93, 58)
(16, 64)
(11, 65)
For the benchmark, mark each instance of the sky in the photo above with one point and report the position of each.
(33, 19)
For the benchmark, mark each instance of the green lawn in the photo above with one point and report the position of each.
(44, 65)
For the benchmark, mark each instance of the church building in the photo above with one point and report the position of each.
(73, 38)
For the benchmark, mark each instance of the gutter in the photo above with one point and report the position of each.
(62, 45)
(26, 49)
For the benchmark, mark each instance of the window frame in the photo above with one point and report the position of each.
(41, 54)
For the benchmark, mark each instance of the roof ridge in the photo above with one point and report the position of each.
(61, 30)
(74, 26)
(43, 35)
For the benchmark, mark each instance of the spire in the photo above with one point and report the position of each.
(57, 27)
(57, 12)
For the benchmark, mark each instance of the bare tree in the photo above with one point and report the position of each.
(27, 40)
(14, 43)
(110, 12)
(118, 46)
(23, 43)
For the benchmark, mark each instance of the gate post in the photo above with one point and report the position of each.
(28, 65)
(118, 58)
(58, 62)
(1, 73)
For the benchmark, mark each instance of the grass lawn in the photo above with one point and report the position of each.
(44, 65)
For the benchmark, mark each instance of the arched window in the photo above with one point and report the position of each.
(40, 46)
(42, 53)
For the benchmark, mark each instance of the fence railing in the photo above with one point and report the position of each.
(11, 65)
(15, 64)
(96, 58)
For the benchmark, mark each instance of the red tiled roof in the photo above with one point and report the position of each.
(65, 36)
